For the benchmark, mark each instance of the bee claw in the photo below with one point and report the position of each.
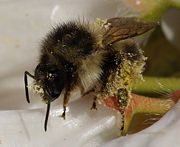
(122, 133)
(63, 115)
(94, 106)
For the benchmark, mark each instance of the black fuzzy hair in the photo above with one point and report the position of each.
(69, 39)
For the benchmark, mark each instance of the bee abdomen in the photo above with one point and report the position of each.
(122, 67)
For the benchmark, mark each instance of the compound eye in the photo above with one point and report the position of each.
(52, 76)
(40, 72)
(53, 87)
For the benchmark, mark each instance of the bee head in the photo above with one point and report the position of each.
(51, 79)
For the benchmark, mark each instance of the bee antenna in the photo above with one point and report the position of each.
(47, 116)
(26, 84)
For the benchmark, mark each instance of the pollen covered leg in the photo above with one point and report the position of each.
(122, 100)
(122, 121)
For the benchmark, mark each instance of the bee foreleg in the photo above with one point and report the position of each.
(65, 102)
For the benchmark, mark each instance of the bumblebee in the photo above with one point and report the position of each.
(102, 57)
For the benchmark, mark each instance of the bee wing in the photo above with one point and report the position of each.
(123, 28)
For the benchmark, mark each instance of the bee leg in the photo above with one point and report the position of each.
(122, 97)
(81, 89)
(88, 92)
(123, 121)
(65, 102)
(63, 115)
(94, 100)
(94, 104)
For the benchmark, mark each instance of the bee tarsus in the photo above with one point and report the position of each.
(63, 115)
(93, 107)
